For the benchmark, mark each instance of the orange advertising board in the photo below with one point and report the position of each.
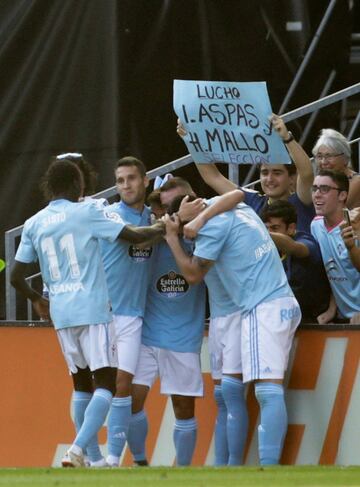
(323, 398)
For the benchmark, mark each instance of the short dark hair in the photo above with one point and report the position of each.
(177, 182)
(176, 202)
(291, 168)
(129, 161)
(154, 198)
(340, 178)
(90, 176)
(62, 178)
(279, 209)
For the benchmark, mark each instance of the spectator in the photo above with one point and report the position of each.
(332, 151)
(338, 250)
(301, 258)
(277, 180)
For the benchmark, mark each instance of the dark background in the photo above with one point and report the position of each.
(95, 76)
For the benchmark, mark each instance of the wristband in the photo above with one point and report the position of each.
(289, 139)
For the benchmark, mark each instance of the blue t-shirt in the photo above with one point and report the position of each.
(307, 278)
(175, 310)
(305, 213)
(344, 278)
(64, 236)
(245, 256)
(127, 267)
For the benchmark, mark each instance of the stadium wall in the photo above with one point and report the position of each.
(323, 398)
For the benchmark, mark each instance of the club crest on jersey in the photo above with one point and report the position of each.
(331, 265)
(139, 255)
(172, 285)
(340, 249)
(113, 216)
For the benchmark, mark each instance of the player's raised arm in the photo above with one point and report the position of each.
(223, 203)
(209, 172)
(301, 160)
(18, 281)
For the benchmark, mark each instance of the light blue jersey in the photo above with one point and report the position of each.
(64, 236)
(246, 259)
(175, 310)
(127, 267)
(219, 300)
(344, 278)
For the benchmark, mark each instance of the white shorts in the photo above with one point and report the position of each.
(86, 346)
(179, 372)
(225, 345)
(266, 338)
(125, 339)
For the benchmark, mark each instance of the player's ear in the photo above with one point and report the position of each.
(146, 181)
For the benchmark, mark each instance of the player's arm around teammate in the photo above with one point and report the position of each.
(193, 268)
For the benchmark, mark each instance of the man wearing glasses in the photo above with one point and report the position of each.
(340, 254)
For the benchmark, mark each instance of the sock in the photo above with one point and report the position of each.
(118, 425)
(273, 424)
(237, 418)
(185, 432)
(137, 434)
(94, 417)
(221, 444)
(80, 401)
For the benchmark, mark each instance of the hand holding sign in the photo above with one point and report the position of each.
(279, 125)
(227, 122)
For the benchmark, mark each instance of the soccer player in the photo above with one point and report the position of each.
(64, 237)
(290, 182)
(127, 269)
(170, 348)
(225, 355)
(301, 258)
(238, 247)
(340, 255)
(231, 424)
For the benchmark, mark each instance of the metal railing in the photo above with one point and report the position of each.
(324, 20)
(233, 172)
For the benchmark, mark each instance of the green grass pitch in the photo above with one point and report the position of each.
(182, 477)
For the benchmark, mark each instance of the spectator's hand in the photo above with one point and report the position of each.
(347, 234)
(326, 317)
(192, 228)
(355, 319)
(279, 126)
(172, 225)
(189, 210)
(355, 219)
(180, 128)
(41, 307)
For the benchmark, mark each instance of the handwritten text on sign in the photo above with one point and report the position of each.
(228, 122)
